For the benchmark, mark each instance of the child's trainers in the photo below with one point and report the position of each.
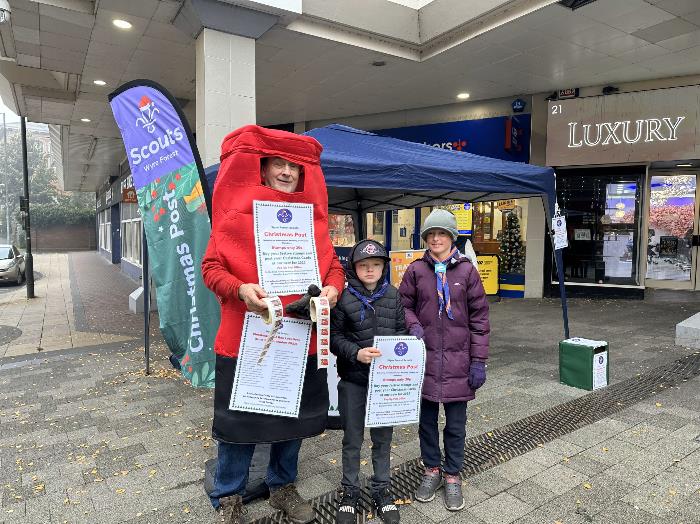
(454, 501)
(347, 508)
(385, 507)
(432, 479)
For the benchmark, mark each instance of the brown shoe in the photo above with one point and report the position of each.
(231, 510)
(287, 499)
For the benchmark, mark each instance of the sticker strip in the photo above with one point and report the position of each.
(273, 316)
(320, 312)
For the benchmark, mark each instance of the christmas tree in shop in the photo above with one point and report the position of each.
(512, 252)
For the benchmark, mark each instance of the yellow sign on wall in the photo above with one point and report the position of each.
(488, 271)
(488, 268)
(463, 214)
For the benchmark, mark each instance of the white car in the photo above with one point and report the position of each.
(11, 264)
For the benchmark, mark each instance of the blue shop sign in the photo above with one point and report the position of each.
(507, 138)
(518, 105)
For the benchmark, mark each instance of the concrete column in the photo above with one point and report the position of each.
(225, 89)
(300, 127)
(534, 251)
(536, 231)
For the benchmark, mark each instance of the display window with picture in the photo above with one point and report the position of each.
(602, 210)
(341, 229)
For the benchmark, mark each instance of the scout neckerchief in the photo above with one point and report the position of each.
(366, 301)
(443, 288)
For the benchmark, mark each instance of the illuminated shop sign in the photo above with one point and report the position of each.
(649, 130)
(644, 126)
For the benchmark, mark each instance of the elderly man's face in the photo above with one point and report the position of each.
(280, 174)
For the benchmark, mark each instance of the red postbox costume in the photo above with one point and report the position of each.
(230, 261)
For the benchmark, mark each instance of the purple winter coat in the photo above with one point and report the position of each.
(451, 344)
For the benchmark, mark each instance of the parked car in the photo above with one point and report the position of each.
(11, 264)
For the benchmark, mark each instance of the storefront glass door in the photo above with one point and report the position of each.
(671, 257)
(602, 216)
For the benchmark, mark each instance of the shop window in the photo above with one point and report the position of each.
(489, 219)
(105, 229)
(402, 227)
(671, 221)
(131, 233)
(602, 217)
(342, 230)
(375, 226)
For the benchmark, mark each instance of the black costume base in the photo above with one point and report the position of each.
(240, 427)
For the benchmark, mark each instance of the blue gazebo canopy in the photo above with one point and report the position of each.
(366, 172)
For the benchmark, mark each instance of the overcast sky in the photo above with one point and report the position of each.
(9, 115)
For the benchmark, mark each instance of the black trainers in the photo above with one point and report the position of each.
(231, 510)
(385, 507)
(347, 508)
(287, 499)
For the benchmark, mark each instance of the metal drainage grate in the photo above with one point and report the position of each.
(502, 444)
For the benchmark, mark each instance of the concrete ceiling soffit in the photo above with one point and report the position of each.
(497, 17)
(31, 76)
(406, 32)
(195, 15)
(81, 6)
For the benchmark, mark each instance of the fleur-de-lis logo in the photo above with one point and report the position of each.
(148, 109)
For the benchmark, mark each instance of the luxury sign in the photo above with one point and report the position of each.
(625, 131)
(639, 126)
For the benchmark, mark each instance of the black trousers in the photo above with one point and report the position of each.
(352, 403)
(453, 435)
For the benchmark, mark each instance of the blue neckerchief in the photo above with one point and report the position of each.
(366, 301)
(443, 288)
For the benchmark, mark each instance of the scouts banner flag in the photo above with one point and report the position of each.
(170, 187)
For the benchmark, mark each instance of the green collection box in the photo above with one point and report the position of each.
(584, 363)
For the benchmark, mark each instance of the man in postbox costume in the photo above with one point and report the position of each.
(277, 166)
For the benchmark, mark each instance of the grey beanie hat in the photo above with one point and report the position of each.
(440, 219)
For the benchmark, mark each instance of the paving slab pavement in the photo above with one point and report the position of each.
(85, 436)
(75, 306)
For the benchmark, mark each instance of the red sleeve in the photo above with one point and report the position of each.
(336, 275)
(216, 276)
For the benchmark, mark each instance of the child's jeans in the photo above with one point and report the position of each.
(351, 404)
(453, 435)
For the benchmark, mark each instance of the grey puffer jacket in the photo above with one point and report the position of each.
(349, 334)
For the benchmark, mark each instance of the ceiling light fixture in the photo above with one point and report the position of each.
(85, 120)
(684, 165)
(99, 82)
(121, 24)
(463, 96)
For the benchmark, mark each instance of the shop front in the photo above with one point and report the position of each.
(626, 183)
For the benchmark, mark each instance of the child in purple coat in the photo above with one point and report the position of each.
(446, 306)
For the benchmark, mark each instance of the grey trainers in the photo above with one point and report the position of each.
(432, 480)
(231, 510)
(454, 501)
(287, 499)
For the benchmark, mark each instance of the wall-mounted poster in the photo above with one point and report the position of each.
(668, 246)
(582, 234)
